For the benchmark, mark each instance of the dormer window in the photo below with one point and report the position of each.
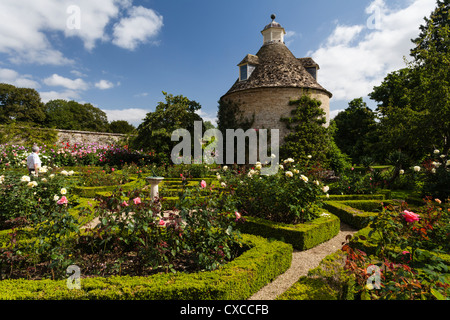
(245, 71)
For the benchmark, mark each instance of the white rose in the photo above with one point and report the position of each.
(55, 197)
(225, 168)
(402, 172)
(64, 173)
(325, 189)
(25, 179)
(223, 184)
(32, 184)
(416, 168)
(304, 178)
(289, 174)
(436, 151)
(63, 191)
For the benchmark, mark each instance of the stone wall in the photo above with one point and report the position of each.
(78, 137)
(27, 136)
(270, 104)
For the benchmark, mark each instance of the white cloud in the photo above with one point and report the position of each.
(141, 25)
(13, 77)
(289, 37)
(355, 58)
(59, 81)
(54, 95)
(141, 95)
(132, 115)
(206, 116)
(104, 85)
(27, 24)
(334, 113)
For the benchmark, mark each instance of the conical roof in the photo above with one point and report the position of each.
(277, 67)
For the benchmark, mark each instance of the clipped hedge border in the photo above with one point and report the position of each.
(301, 236)
(354, 217)
(237, 280)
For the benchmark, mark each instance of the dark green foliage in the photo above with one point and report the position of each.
(121, 126)
(309, 135)
(154, 133)
(71, 115)
(20, 105)
(353, 129)
(414, 102)
(26, 135)
(230, 116)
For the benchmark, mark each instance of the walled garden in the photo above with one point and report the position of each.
(87, 227)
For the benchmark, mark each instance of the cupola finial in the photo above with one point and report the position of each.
(273, 16)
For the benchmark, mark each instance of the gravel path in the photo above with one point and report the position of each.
(302, 262)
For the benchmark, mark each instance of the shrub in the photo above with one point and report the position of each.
(407, 269)
(262, 261)
(30, 197)
(287, 196)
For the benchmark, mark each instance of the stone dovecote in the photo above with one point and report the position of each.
(272, 78)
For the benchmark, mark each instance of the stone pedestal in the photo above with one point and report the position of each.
(154, 186)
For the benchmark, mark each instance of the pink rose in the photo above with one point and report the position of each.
(137, 200)
(203, 184)
(162, 223)
(410, 216)
(124, 203)
(238, 215)
(63, 200)
(112, 169)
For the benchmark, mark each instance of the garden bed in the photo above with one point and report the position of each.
(301, 236)
(237, 280)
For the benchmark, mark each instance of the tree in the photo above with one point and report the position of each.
(414, 103)
(71, 115)
(20, 105)
(308, 134)
(353, 129)
(154, 133)
(121, 126)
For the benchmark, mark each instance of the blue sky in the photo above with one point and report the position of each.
(120, 55)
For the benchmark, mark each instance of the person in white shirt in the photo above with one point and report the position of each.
(33, 161)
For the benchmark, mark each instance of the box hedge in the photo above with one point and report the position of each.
(355, 213)
(300, 236)
(261, 263)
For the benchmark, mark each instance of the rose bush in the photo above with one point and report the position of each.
(25, 198)
(404, 241)
(288, 196)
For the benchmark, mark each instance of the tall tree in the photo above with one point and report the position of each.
(414, 103)
(354, 127)
(121, 126)
(154, 133)
(308, 134)
(20, 105)
(71, 115)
